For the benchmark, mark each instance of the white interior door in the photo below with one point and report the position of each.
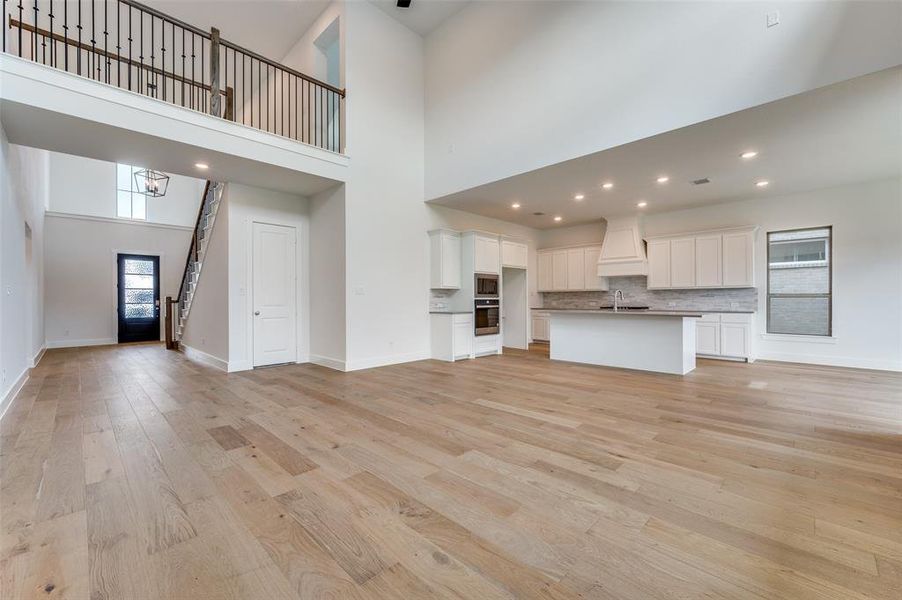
(274, 295)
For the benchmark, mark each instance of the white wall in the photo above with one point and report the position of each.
(23, 199)
(84, 186)
(586, 233)
(512, 87)
(80, 273)
(245, 206)
(328, 289)
(207, 327)
(867, 267)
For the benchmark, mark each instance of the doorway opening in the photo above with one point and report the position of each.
(138, 298)
(514, 308)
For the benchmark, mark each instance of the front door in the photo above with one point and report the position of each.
(139, 298)
(274, 296)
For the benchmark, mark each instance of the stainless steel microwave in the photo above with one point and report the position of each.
(486, 286)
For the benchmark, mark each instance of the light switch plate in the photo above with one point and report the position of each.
(773, 18)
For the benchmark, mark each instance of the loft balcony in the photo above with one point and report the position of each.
(133, 47)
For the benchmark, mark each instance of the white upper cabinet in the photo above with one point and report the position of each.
(682, 263)
(659, 264)
(514, 254)
(576, 269)
(487, 254)
(569, 269)
(444, 253)
(543, 279)
(559, 269)
(708, 265)
(710, 259)
(590, 266)
(739, 259)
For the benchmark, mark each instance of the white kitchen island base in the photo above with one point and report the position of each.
(647, 341)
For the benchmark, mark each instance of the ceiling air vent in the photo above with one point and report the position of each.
(701, 181)
(538, 214)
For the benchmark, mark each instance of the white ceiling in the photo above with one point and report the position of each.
(423, 16)
(268, 27)
(847, 132)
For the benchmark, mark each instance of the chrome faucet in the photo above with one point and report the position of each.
(616, 294)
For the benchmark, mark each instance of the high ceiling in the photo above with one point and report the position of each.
(268, 27)
(423, 16)
(844, 133)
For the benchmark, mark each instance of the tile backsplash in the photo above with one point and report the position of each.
(635, 292)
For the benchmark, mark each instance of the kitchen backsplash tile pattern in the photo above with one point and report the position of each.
(635, 292)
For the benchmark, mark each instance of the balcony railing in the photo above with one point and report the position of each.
(135, 47)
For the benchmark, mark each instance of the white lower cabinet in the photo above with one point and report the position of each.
(452, 336)
(724, 335)
(540, 326)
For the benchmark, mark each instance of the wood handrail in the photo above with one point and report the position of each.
(111, 55)
(236, 48)
(192, 249)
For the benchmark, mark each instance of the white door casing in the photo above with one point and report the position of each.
(274, 294)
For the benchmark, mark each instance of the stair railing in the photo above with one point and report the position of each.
(135, 47)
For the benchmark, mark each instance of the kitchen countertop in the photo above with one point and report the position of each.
(450, 312)
(632, 313)
(692, 310)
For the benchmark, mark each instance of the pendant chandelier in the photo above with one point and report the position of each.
(151, 183)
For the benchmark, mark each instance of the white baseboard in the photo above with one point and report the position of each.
(240, 365)
(325, 361)
(204, 358)
(80, 343)
(832, 361)
(15, 389)
(37, 357)
(384, 361)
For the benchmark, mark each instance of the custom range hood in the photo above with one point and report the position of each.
(623, 251)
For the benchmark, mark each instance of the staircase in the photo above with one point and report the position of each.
(200, 240)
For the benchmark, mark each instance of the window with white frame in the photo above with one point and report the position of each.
(130, 204)
(800, 282)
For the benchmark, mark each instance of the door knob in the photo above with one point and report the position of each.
(256, 313)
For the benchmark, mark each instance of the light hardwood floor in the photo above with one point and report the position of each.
(130, 473)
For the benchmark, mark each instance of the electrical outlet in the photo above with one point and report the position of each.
(359, 290)
(772, 18)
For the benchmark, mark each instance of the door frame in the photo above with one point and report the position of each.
(300, 306)
(114, 289)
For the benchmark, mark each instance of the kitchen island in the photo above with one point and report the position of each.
(647, 340)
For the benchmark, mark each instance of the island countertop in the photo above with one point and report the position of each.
(631, 313)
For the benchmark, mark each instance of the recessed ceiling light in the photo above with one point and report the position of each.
(663, 179)
(749, 154)
(515, 205)
(608, 185)
(559, 218)
(578, 197)
(762, 183)
(642, 204)
(202, 166)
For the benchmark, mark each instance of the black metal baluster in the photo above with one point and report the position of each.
(183, 67)
(173, 63)
(152, 75)
(2, 26)
(95, 66)
(20, 29)
(34, 34)
(130, 63)
(118, 44)
(52, 41)
(192, 85)
(142, 77)
(163, 55)
(106, 36)
(259, 93)
(65, 34)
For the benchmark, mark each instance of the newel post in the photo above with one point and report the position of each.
(215, 97)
